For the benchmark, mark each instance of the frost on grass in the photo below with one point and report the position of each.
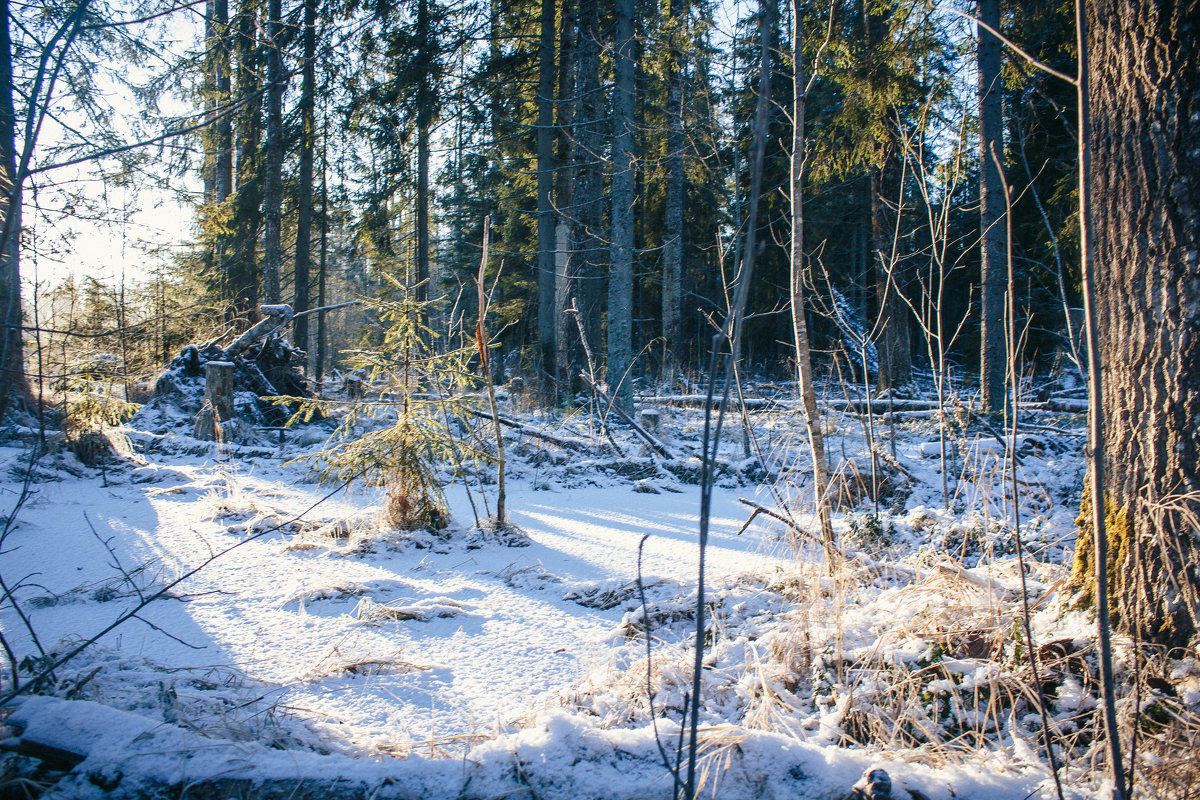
(369, 612)
(532, 662)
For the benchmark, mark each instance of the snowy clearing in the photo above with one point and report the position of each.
(312, 644)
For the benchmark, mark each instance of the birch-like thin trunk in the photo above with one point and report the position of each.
(808, 395)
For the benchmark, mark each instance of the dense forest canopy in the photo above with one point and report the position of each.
(328, 144)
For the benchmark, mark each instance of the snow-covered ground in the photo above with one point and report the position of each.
(305, 642)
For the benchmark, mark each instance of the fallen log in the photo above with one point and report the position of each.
(566, 444)
(878, 407)
(604, 398)
(276, 316)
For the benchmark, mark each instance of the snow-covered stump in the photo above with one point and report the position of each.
(218, 388)
(218, 400)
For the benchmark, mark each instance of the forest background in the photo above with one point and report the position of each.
(330, 144)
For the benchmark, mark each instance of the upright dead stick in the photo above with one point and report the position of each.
(485, 365)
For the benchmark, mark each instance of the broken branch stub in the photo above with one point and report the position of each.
(274, 318)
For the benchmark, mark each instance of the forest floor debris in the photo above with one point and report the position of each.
(455, 664)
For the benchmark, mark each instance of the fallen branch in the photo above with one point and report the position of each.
(53, 758)
(853, 406)
(566, 444)
(276, 317)
(828, 547)
(333, 307)
(831, 550)
(604, 398)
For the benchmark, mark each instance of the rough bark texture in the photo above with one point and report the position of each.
(620, 280)
(1145, 176)
(13, 384)
(273, 182)
(304, 188)
(672, 258)
(221, 137)
(424, 121)
(991, 210)
(218, 388)
(223, 133)
(585, 277)
(545, 188)
(241, 266)
(208, 91)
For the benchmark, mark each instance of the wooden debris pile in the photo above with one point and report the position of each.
(260, 363)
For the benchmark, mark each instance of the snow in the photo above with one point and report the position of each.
(299, 640)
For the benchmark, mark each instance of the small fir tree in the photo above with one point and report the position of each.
(413, 378)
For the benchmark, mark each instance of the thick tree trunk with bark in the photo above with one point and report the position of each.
(583, 276)
(222, 134)
(991, 210)
(304, 188)
(620, 281)
(242, 273)
(273, 183)
(208, 91)
(566, 344)
(14, 386)
(1145, 190)
(672, 257)
(545, 210)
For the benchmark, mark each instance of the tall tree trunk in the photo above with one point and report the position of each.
(304, 191)
(991, 209)
(1145, 199)
(14, 386)
(242, 264)
(322, 264)
(424, 104)
(895, 344)
(273, 183)
(208, 91)
(545, 200)
(620, 280)
(583, 276)
(808, 394)
(223, 129)
(566, 342)
(672, 240)
(588, 245)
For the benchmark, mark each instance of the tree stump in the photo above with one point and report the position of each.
(218, 400)
(218, 388)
